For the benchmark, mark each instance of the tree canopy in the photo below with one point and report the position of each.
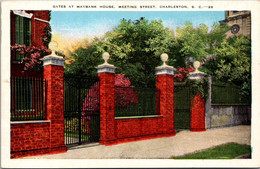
(233, 63)
(135, 48)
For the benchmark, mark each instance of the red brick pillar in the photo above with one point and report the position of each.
(53, 74)
(165, 85)
(197, 103)
(107, 101)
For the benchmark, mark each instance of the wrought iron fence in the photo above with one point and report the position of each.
(28, 98)
(182, 105)
(228, 94)
(130, 101)
(81, 109)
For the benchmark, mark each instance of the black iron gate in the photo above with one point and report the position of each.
(81, 110)
(182, 106)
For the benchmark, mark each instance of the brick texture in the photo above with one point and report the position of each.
(198, 113)
(40, 138)
(28, 138)
(107, 107)
(114, 131)
(55, 104)
(165, 84)
(37, 32)
(126, 128)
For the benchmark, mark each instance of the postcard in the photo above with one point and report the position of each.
(129, 84)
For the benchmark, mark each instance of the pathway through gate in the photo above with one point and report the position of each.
(81, 110)
(182, 106)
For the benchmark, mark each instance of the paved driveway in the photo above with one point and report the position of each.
(184, 142)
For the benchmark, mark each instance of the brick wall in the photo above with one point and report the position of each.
(30, 139)
(34, 138)
(116, 130)
(198, 113)
(53, 75)
(165, 84)
(107, 107)
(134, 127)
(38, 32)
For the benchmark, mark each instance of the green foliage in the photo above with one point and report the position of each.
(135, 48)
(86, 60)
(200, 86)
(233, 63)
(227, 151)
(46, 38)
(199, 42)
(71, 125)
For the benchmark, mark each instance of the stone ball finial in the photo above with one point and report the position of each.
(106, 57)
(196, 65)
(53, 46)
(164, 58)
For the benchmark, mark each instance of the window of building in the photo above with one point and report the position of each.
(22, 33)
(23, 94)
(236, 12)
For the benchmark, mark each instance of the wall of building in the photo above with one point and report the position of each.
(39, 21)
(241, 18)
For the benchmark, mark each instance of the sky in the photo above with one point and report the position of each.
(81, 24)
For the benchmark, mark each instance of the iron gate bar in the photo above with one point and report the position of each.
(82, 123)
(79, 112)
(182, 106)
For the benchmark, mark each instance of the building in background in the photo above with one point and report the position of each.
(27, 28)
(239, 23)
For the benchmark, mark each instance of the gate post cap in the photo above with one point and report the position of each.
(164, 58)
(106, 67)
(196, 74)
(106, 56)
(53, 59)
(53, 46)
(164, 68)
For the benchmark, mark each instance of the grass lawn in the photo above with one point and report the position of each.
(226, 151)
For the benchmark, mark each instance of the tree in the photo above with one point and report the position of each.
(124, 96)
(199, 43)
(233, 63)
(135, 48)
(85, 60)
(31, 55)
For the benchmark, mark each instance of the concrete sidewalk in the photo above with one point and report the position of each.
(184, 142)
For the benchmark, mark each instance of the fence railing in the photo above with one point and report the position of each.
(28, 98)
(130, 101)
(228, 94)
(182, 102)
(181, 96)
(81, 109)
